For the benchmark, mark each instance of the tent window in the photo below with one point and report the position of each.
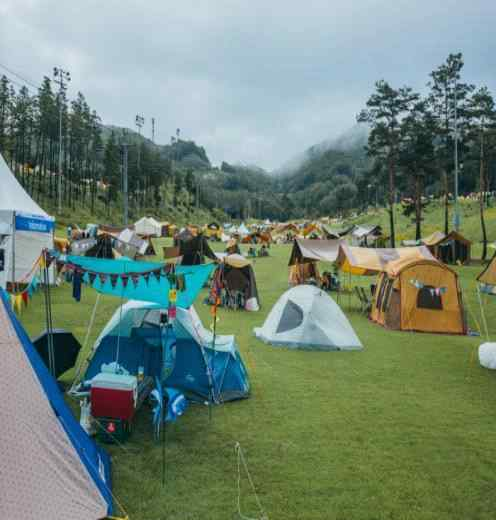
(429, 298)
(387, 295)
(291, 317)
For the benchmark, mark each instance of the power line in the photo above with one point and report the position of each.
(17, 75)
(18, 84)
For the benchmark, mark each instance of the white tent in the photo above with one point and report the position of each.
(148, 226)
(132, 241)
(306, 317)
(243, 230)
(25, 229)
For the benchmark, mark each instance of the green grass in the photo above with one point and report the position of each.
(401, 430)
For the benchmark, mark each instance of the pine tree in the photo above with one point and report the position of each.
(385, 109)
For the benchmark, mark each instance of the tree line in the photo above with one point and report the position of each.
(412, 140)
(92, 154)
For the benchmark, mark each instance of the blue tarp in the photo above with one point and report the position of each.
(154, 290)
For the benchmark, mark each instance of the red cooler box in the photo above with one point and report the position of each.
(114, 395)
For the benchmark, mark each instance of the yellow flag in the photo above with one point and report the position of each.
(42, 262)
(18, 303)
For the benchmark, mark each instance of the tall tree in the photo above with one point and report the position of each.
(447, 96)
(111, 169)
(385, 109)
(416, 154)
(482, 116)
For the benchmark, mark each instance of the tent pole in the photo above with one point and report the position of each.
(13, 247)
(349, 291)
(163, 442)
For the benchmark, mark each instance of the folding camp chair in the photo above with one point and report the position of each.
(360, 297)
(367, 302)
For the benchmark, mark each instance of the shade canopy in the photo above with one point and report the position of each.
(137, 288)
(314, 250)
(370, 261)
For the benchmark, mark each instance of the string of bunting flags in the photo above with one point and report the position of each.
(90, 277)
(20, 298)
(433, 290)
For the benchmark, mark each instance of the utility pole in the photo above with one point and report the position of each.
(61, 77)
(125, 146)
(139, 121)
(153, 130)
(457, 214)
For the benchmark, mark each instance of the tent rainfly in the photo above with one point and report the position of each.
(371, 261)
(306, 317)
(50, 467)
(133, 335)
(305, 255)
(25, 229)
(235, 274)
(419, 295)
(193, 249)
(306, 250)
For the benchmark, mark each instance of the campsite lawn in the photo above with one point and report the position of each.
(401, 430)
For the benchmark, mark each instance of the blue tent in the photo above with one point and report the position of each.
(50, 467)
(132, 338)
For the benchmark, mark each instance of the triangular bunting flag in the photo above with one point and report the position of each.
(113, 280)
(124, 279)
(135, 279)
(146, 277)
(102, 277)
(157, 275)
(92, 277)
(18, 303)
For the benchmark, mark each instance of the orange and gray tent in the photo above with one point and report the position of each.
(452, 248)
(419, 295)
(370, 261)
(307, 250)
(50, 467)
(305, 255)
(487, 278)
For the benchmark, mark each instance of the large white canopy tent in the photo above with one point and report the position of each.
(25, 229)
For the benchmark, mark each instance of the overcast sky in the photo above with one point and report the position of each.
(253, 81)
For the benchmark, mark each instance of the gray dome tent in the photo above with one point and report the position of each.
(308, 318)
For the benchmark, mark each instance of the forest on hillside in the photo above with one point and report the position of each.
(407, 154)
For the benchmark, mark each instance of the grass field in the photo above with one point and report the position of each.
(401, 430)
